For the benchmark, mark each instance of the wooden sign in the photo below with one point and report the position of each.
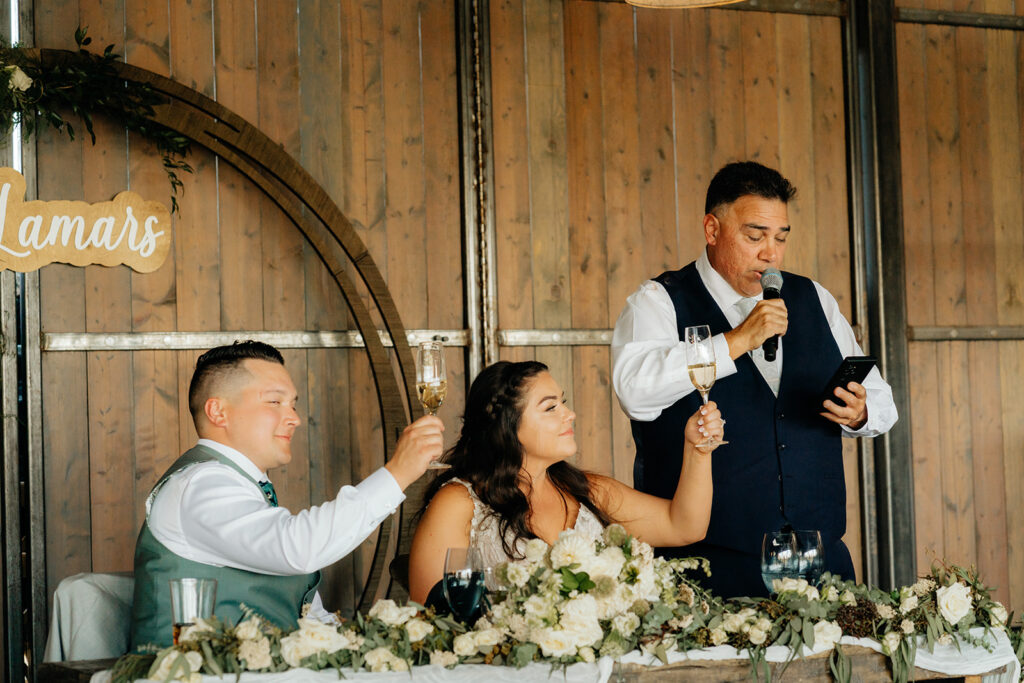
(128, 230)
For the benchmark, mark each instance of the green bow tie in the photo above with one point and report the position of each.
(268, 491)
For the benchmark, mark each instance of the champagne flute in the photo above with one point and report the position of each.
(431, 382)
(464, 583)
(700, 362)
(810, 554)
(779, 559)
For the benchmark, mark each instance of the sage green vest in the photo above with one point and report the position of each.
(278, 598)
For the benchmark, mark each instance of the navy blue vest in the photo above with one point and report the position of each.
(783, 463)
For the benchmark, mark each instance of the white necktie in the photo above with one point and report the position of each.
(745, 306)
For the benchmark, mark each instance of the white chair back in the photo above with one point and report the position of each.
(91, 618)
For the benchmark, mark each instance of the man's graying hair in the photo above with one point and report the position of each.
(217, 363)
(742, 178)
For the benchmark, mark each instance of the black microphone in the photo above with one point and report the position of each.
(771, 285)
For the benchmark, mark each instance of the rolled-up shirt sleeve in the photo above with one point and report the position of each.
(214, 515)
(649, 369)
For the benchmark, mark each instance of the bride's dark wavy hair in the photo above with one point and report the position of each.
(489, 455)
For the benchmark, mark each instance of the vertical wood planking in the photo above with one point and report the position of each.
(511, 169)
(831, 226)
(927, 461)
(696, 126)
(726, 88)
(943, 125)
(154, 373)
(442, 211)
(326, 400)
(957, 454)
(588, 239)
(1011, 364)
(546, 139)
(62, 308)
(796, 154)
(241, 240)
(108, 309)
(283, 254)
(760, 91)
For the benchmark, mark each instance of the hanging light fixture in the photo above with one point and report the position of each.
(670, 4)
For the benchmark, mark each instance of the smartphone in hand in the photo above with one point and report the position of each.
(852, 369)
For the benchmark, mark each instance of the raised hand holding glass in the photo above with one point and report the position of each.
(701, 364)
(431, 382)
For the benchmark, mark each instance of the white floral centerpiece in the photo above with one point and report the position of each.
(587, 597)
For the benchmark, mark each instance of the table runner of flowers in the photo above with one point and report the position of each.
(585, 598)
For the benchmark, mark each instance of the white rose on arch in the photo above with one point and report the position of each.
(954, 602)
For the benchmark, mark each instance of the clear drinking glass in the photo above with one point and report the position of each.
(191, 599)
(464, 583)
(810, 554)
(779, 559)
(700, 362)
(431, 382)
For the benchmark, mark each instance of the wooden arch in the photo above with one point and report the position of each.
(332, 236)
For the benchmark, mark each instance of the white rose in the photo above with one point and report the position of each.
(418, 629)
(381, 659)
(555, 642)
(249, 630)
(831, 593)
(627, 623)
(391, 614)
(312, 637)
(908, 602)
(718, 636)
(571, 548)
(731, 623)
(486, 639)
(811, 593)
(587, 654)
(539, 611)
(788, 585)
(998, 614)
(764, 624)
(757, 636)
(464, 644)
(954, 602)
(19, 79)
(517, 574)
(256, 654)
(535, 550)
(826, 634)
(891, 642)
(443, 658)
(848, 598)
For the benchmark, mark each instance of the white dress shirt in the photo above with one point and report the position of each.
(210, 513)
(649, 369)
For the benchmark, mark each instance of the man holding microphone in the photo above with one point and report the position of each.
(783, 463)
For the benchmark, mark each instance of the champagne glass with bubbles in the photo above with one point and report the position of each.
(700, 362)
(431, 381)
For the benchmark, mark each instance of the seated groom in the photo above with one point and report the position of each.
(214, 513)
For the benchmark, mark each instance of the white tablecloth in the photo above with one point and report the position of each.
(966, 661)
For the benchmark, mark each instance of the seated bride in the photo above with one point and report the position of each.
(511, 481)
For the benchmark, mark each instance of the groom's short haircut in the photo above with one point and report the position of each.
(221, 363)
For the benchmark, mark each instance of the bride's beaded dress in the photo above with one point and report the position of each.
(484, 533)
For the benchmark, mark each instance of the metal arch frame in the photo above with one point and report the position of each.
(329, 232)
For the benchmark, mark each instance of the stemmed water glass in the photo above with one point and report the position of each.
(810, 554)
(464, 583)
(431, 382)
(700, 362)
(779, 558)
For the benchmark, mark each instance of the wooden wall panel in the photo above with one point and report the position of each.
(324, 81)
(637, 109)
(962, 148)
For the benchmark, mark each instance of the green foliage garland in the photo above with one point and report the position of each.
(36, 95)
